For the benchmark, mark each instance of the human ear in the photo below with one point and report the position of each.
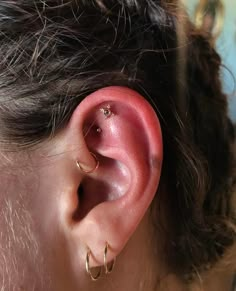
(117, 128)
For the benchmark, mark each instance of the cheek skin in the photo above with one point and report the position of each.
(19, 246)
(32, 250)
(46, 214)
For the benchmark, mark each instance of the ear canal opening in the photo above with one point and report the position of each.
(97, 189)
(90, 193)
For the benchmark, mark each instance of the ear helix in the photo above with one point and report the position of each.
(104, 123)
(108, 269)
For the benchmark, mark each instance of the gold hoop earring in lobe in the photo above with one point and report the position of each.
(108, 269)
(88, 269)
(92, 170)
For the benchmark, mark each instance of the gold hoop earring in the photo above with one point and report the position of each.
(92, 170)
(88, 269)
(108, 269)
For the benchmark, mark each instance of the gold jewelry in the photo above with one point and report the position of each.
(88, 269)
(107, 111)
(108, 270)
(89, 171)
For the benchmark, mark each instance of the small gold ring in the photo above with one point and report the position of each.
(108, 269)
(88, 269)
(92, 170)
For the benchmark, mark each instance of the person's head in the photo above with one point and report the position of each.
(113, 130)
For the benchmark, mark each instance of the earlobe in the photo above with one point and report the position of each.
(123, 133)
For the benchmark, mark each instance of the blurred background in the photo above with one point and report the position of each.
(218, 18)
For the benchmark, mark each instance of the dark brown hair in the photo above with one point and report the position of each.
(53, 53)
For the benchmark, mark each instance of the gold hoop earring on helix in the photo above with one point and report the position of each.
(108, 269)
(88, 269)
(92, 170)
